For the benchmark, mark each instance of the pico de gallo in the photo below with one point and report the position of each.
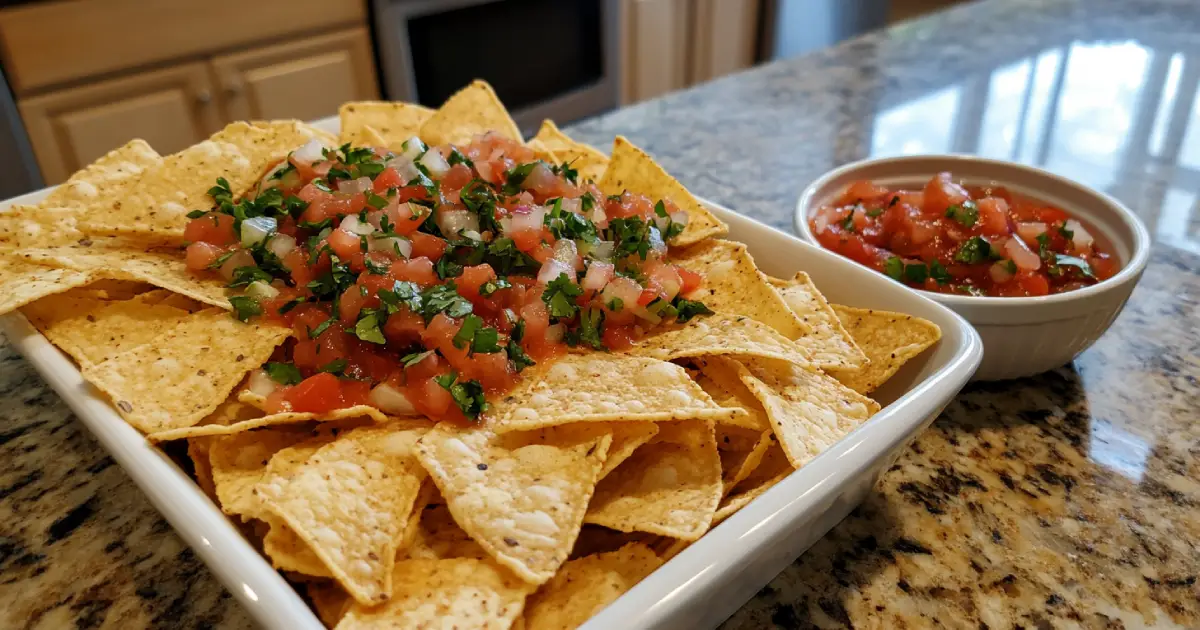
(424, 281)
(971, 240)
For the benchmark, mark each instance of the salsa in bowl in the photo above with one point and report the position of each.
(1039, 264)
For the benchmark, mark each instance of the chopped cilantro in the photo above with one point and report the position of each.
(1043, 241)
(591, 327)
(570, 174)
(616, 304)
(375, 201)
(374, 268)
(966, 213)
(894, 268)
(630, 236)
(456, 157)
(492, 286)
(410, 360)
(313, 333)
(402, 293)
(687, 309)
(848, 222)
(1082, 265)
(444, 298)
(196, 214)
(243, 276)
(515, 176)
(447, 268)
(336, 366)
(916, 273)
(467, 395)
(327, 222)
(245, 307)
(970, 290)
(334, 282)
(1065, 232)
(291, 304)
(220, 261)
(974, 251)
(283, 373)
(559, 297)
(517, 355)
(1010, 266)
(466, 333)
(938, 272)
(367, 327)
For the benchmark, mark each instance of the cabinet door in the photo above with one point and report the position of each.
(304, 79)
(656, 47)
(171, 108)
(724, 37)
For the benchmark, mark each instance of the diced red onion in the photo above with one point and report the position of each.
(1020, 254)
(255, 229)
(453, 221)
(281, 245)
(354, 186)
(554, 268)
(391, 401)
(1000, 272)
(354, 226)
(555, 333)
(261, 383)
(312, 151)
(434, 163)
(598, 275)
(391, 245)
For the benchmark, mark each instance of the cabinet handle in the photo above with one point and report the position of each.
(204, 97)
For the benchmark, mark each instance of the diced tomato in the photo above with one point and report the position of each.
(993, 216)
(456, 177)
(387, 178)
(404, 327)
(427, 245)
(212, 227)
(316, 394)
(526, 240)
(862, 191)
(691, 280)
(201, 255)
(617, 338)
(297, 263)
(941, 193)
(418, 270)
(472, 279)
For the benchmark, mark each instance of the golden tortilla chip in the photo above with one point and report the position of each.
(288, 552)
(808, 411)
(240, 462)
(258, 422)
(390, 123)
(632, 169)
(329, 600)
(670, 486)
(584, 587)
(23, 282)
(601, 387)
(733, 284)
(888, 339)
(157, 268)
(351, 502)
(100, 183)
(722, 381)
(828, 345)
(773, 469)
(453, 593)
(202, 467)
(588, 160)
(39, 226)
(627, 437)
(720, 334)
(521, 496)
(92, 331)
(439, 537)
(183, 374)
(469, 112)
(741, 453)
(154, 208)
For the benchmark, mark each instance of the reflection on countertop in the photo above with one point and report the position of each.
(1067, 500)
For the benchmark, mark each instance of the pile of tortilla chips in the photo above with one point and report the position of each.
(582, 481)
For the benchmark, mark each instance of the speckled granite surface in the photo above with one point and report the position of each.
(1067, 500)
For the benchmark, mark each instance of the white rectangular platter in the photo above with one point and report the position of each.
(701, 586)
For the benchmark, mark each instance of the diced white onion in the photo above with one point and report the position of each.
(555, 333)
(641, 312)
(240, 258)
(656, 241)
(281, 245)
(524, 218)
(261, 383)
(820, 223)
(554, 268)
(256, 229)
(407, 170)
(1029, 231)
(680, 217)
(453, 221)
(392, 245)
(312, 151)
(572, 205)
(597, 214)
(1000, 272)
(566, 252)
(435, 164)
(391, 401)
(624, 289)
(602, 250)
(352, 225)
(1080, 236)
(260, 291)
(1020, 254)
(412, 149)
(354, 186)
(598, 275)
(661, 222)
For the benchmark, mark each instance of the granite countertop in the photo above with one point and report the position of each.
(1071, 499)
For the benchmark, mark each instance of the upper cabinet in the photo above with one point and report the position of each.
(90, 75)
(305, 79)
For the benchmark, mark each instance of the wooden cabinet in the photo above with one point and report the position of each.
(304, 79)
(656, 47)
(170, 108)
(724, 37)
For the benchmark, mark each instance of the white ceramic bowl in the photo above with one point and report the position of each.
(1028, 335)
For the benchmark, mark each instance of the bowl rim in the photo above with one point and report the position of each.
(1130, 272)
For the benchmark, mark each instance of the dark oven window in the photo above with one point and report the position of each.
(529, 50)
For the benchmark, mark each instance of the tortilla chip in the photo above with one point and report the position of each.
(183, 374)
(733, 284)
(720, 334)
(739, 459)
(288, 552)
(828, 345)
(627, 437)
(351, 501)
(670, 486)
(23, 282)
(722, 381)
(454, 593)
(773, 469)
(107, 289)
(809, 411)
(439, 537)
(888, 339)
(588, 160)
(390, 123)
(100, 183)
(240, 462)
(632, 169)
(584, 587)
(154, 208)
(258, 422)
(160, 269)
(92, 331)
(520, 496)
(329, 600)
(39, 226)
(602, 387)
(469, 112)
(201, 466)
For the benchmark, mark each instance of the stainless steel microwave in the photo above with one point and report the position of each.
(555, 59)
